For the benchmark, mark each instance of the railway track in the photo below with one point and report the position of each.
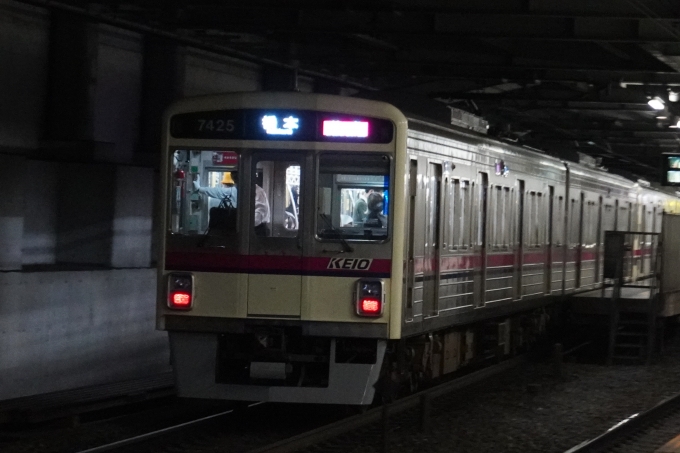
(645, 432)
(378, 420)
(210, 430)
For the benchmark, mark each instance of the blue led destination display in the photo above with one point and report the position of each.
(277, 124)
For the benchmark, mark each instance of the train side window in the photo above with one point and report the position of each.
(558, 223)
(574, 213)
(540, 220)
(466, 215)
(587, 222)
(454, 219)
(502, 224)
(494, 212)
(445, 213)
(622, 218)
(532, 220)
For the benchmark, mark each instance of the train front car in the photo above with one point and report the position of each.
(277, 261)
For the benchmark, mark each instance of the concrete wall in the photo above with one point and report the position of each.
(61, 330)
(80, 107)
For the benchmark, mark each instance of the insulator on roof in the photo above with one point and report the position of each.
(588, 161)
(467, 120)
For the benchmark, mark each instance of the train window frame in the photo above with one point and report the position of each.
(318, 199)
(574, 223)
(501, 212)
(446, 218)
(201, 200)
(463, 239)
(558, 222)
(277, 194)
(531, 209)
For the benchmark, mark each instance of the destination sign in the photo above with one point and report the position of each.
(278, 124)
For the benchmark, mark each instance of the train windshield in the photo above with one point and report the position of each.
(353, 197)
(204, 192)
(206, 198)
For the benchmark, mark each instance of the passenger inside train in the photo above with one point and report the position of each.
(206, 199)
(353, 197)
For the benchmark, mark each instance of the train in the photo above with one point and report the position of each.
(317, 248)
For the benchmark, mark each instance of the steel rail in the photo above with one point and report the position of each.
(153, 434)
(629, 426)
(329, 431)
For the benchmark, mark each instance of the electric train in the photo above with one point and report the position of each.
(394, 246)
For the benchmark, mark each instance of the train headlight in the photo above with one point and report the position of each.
(369, 298)
(180, 291)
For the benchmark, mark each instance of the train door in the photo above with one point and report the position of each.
(275, 242)
(480, 274)
(431, 257)
(410, 242)
(519, 252)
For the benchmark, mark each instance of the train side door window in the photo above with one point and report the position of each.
(463, 215)
(574, 223)
(532, 223)
(353, 199)
(558, 222)
(501, 218)
(275, 197)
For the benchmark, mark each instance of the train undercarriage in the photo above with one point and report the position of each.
(279, 363)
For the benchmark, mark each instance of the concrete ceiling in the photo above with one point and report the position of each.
(561, 76)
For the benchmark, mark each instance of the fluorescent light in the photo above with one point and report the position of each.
(656, 103)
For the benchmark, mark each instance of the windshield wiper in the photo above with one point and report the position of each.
(345, 246)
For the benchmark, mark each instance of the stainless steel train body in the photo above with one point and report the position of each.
(469, 230)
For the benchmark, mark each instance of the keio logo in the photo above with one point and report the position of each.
(356, 264)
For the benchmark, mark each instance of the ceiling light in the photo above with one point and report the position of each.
(673, 96)
(656, 103)
(661, 117)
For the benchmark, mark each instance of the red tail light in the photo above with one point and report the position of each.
(370, 298)
(180, 291)
(180, 299)
(368, 306)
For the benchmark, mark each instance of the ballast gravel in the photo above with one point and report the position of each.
(529, 409)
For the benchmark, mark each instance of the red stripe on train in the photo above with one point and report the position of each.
(221, 262)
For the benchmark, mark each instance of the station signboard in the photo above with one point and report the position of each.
(670, 169)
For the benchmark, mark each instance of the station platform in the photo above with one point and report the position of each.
(39, 408)
(631, 300)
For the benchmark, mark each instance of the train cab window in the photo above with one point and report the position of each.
(204, 188)
(353, 198)
(276, 198)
